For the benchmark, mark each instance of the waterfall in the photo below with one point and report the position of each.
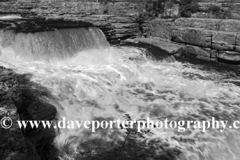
(91, 80)
(59, 44)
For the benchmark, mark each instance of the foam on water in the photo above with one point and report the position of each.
(52, 45)
(8, 17)
(107, 82)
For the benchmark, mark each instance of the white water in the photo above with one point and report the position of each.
(9, 17)
(90, 80)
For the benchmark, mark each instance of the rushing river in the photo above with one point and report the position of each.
(91, 80)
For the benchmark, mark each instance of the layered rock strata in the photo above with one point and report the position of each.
(213, 39)
(117, 20)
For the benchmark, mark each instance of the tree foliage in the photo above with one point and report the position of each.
(218, 12)
(156, 8)
(188, 7)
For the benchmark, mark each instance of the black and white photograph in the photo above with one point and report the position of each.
(119, 79)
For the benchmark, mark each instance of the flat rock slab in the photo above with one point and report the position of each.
(160, 49)
(163, 44)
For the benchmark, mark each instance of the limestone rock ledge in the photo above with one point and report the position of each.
(160, 49)
(115, 28)
(215, 39)
(119, 23)
(172, 50)
(164, 44)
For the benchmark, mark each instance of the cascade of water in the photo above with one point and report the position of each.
(90, 80)
(52, 45)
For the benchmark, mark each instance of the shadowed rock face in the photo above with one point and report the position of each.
(32, 25)
(20, 99)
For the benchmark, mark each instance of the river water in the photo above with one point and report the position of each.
(91, 80)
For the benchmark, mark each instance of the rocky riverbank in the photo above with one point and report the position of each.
(211, 39)
(21, 99)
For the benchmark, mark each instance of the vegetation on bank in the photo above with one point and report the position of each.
(184, 8)
(215, 11)
(181, 8)
(188, 7)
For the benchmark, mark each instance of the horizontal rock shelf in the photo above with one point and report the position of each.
(220, 39)
(117, 20)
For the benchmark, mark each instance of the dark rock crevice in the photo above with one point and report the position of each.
(41, 25)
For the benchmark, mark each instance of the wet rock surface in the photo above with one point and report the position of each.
(20, 101)
(160, 49)
(164, 44)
